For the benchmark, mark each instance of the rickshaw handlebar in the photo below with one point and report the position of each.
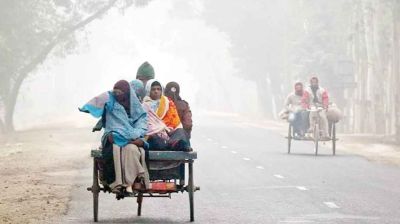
(315, 109)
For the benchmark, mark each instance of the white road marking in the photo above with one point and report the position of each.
(279, 176)
(260, 167)
(302, 188)
(297, 221)
(271, 187)
(247, 159)
(209, 139)
(325, 218)
(224, 147)
(234, 152)
(331, 204)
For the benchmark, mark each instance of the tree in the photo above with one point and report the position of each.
(31, 30)
(396, 65)
(375, 47)
(248, 26)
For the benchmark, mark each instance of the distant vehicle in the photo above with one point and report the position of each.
(316, 132)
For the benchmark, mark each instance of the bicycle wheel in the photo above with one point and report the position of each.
(289, 138)
(316, 138)
(334, 139)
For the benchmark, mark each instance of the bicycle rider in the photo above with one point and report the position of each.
(315, 95)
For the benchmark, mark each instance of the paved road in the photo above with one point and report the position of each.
(246, 176)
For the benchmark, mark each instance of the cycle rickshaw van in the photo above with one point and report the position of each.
(334, 115)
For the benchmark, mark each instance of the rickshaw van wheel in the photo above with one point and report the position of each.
(191, 191)
(334, 139)
(289, 138)
(316, 138)
(95, 191)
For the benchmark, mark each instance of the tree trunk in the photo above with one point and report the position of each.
(2, 115)
(264, 97)
(11, 100)
(357, 65)
(370, 64)
(396, 65)
(363, 116)
(379, 75)
(2, 127)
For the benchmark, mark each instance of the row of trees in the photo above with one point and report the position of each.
(374, 47)
(353, 46)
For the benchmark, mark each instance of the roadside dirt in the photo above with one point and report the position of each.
(37, 168)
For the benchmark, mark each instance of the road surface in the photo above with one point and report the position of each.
(246, 176)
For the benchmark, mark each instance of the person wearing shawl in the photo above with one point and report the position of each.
(145, 72)
(125, 124)
(165, 130)
(172, 91)
(138, 87)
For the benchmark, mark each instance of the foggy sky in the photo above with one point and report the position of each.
(181, 48)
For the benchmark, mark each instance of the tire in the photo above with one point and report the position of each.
(316, 138)
(289, 138)
(95, 206)
(191, 191)
(139, 202)
(334, 139)
(95, 191)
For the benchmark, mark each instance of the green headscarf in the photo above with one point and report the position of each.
(145, 71)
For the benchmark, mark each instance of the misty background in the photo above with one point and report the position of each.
(228, 56)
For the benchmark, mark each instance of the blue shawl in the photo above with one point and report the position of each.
(123, 128)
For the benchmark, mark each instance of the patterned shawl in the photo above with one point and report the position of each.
(162, 113)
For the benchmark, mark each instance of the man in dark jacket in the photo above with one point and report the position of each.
(172, 91)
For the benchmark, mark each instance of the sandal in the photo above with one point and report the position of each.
(117, 189)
